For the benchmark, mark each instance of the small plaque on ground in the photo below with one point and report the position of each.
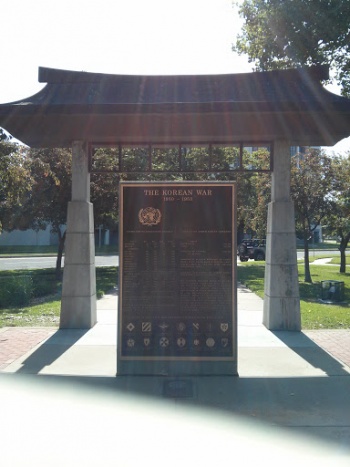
(178, 389)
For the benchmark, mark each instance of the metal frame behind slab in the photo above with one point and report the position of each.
(180, 147)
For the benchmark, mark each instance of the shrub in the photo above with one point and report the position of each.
(15, 291)
(44, 285)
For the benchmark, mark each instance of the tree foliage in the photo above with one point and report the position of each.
(43, 182)
(312, 189)
(14, 181)
(49, 194)
(254, 193)
(339, 219)
(280, 34)
(104, 188)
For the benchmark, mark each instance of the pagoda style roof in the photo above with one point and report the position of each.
(251, 107)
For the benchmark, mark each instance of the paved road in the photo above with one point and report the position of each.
(42, 262)
(312, 253)
(50, 261)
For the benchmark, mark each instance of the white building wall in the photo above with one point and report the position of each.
(26, 237)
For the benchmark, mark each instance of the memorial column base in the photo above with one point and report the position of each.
(78, 305)
(282, 300)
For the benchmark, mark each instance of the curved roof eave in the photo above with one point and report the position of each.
(80, 105)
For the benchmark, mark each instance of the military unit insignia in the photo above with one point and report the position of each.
(164, 342)
(210, 342)
(181, 327)
(163, 326)
(181, 342)
(146, 326)
(130, 327)
(183, 335)
(195, 326)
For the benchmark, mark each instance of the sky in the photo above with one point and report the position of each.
(118, 37)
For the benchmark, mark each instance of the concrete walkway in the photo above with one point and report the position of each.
(292, 398)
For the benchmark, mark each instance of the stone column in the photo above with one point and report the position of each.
(78, 307)
(282, 301)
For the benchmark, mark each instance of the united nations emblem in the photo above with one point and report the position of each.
(149, 216)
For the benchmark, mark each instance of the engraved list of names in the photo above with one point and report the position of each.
(177, 270)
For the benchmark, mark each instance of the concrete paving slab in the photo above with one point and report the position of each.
(256, 336)
(283, 362)
(78, 360)
(109, 302)
(100, 335)
(93, 361)
(107, 316)
(103, 425)
(285, 379)
(261, 353)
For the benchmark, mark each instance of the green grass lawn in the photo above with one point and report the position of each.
(314, 314)
(35, 315)
(27, 250)
(44, 304)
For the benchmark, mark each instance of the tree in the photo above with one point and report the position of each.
(165, 166)
(312, 189)
(49, 194)
(260, 160)
(281, 34)
(105, 188)
(339, 219)
(14, 180)
(253, 193)
(43, 183)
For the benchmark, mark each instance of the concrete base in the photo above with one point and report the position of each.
(78, 312)
(176, 368)
(282, 301)
(287, 384)
(78, 306)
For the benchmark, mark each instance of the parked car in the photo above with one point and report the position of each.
(252, 249)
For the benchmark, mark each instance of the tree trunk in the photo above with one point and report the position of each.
(61, 241)
(307, 273)
(342, 248)
(342, 258)
(240, 232)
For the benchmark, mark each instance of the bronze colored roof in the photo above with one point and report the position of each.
(103, 108)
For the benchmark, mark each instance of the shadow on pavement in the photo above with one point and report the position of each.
(48, 353)
(312, 353)
(305, 412)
